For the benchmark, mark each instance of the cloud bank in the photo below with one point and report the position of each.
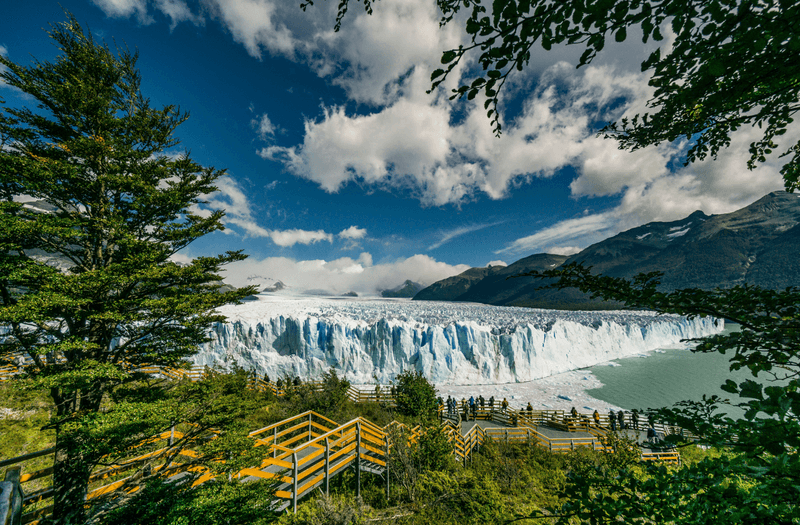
(341, 275)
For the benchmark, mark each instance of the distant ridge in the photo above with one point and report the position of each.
(758, 244)
(407, 289)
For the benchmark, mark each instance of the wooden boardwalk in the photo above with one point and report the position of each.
(305, 451)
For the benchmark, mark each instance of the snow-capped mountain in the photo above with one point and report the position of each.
(758, 244)
(450, 343)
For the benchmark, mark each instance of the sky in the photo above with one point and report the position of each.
(343, 174)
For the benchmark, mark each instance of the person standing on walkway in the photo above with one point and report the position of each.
(574, 413)
(491, 403)
(612, 419)
(635, 419)
(621, 418)
(596, 417)
(504, 405)
(530, 410)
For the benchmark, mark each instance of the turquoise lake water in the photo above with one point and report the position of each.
(662, 379)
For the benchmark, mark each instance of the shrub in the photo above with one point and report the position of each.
(415, 396)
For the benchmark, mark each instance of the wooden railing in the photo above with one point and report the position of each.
(305, 452)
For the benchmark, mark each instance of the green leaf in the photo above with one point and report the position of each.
(436, 74)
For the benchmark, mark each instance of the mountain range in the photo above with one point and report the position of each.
(758, 244)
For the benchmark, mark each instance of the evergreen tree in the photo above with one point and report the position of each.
(94, 205)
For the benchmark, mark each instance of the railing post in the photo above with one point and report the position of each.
(275, 442)
(327, 466)
(294, 482)
(309, 427)
(572, 444)
(386, 460)
(172, 434)
(358, 459)
(11, 497)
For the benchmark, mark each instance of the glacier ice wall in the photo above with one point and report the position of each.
(450, 343)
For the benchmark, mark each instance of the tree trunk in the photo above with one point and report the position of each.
(71, 467)
(71, 474)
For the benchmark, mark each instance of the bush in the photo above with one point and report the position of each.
(169, 503)
(329, 510)
(461, 497)
(328, 399)
(415, 396)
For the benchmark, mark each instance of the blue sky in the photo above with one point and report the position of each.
(343, 174)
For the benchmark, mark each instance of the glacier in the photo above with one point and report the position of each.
(449, 343)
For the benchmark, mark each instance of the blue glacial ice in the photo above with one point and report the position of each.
(450, 343)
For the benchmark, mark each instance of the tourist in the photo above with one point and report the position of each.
(530, 410)
(481, 401)
(621, 418)
(491, 403)
(635, 419)
(596, 417)
(612, 418)
(504, 405)
(574, 413)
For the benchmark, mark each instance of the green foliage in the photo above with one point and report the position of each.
(461, 497)
(415, 396)
(112, 207)
(330, 400)
(731, 64)
(329, 510)
(433, 451)
(756, 479)
(176, 503)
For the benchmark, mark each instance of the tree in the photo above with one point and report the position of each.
(757, 476)
(415, 396)
(94, 205)
(732, 64)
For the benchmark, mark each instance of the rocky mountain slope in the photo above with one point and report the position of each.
(407, 289)
(758, 244)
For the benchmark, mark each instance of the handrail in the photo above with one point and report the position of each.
(356, 440)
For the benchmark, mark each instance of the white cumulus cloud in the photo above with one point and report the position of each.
(353, 233)
(291, 237)
(342, 275)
